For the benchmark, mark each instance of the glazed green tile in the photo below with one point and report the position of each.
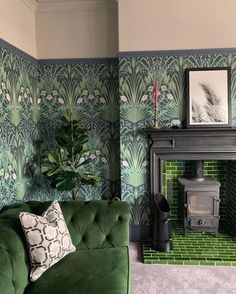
(191, 263)
(164, 190)
(176, 248)
(233, 263)
(207, 263)
(207, 256)
(223, 263)
(147, 255)
(147, 261)
(175, 262)
(156, 259)
(183, 258)
(182, 247)
(230, 258)
(164, 177)
(172, 168)
(178, 256)
(226, 252)
(190, 253)
(224, 256)
(162, 262)
(198, 259)
(152, 252)
(166, 258)
(192, 256)
(224, 246)
(164, 254)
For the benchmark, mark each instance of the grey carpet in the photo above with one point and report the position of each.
(179, 279)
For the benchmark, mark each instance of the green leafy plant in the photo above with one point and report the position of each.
(65, 167)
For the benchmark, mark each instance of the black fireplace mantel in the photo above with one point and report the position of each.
(188, 144)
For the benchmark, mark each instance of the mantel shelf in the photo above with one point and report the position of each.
(193, 144)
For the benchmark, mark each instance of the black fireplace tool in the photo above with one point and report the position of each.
(161, 227)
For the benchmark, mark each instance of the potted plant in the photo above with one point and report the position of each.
(65, 167)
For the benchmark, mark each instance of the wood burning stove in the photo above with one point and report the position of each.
(200, 202)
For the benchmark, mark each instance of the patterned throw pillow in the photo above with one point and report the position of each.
(48, 238)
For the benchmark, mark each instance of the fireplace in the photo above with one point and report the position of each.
(200, 196)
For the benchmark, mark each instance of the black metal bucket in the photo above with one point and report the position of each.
(161, 227)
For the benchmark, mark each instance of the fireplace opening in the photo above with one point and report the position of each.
(200, 201)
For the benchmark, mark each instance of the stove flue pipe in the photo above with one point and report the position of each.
(197, 170)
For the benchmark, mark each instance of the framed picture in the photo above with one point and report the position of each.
(208, 97)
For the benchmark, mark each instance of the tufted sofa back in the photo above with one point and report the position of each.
(92, 224)
(98, 224)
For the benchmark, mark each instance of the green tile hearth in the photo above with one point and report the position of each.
(194, 249)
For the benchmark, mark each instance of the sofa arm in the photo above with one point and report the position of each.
(13, 259)
(6, 284)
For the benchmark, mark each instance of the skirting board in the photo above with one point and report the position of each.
(139, 232)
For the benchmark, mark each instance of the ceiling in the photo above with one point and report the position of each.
(69, 1)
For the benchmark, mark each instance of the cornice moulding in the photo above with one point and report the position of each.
(31, 4)
(125, 1)
(54, 6)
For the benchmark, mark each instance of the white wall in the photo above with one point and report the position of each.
(176, 24)
(17, 25)
(78, 33)
(89, 30)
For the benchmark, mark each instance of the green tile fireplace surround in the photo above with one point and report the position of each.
(198, 248)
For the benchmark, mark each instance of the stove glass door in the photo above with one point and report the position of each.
(200, 203)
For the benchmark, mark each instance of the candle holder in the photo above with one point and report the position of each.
(155, 125)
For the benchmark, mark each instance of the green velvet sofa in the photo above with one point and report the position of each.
(100, 265)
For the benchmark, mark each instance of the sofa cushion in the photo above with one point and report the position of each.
(47, 237)
(97, 271)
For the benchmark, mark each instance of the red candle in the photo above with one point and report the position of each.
(156, 94)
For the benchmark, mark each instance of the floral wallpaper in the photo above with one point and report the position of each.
(113, 99)
(33, 97)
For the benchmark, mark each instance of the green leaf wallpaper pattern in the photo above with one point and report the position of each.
(113, 100)
(33, 98)
(136, 79)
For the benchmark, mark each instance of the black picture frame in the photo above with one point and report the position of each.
(208, 97)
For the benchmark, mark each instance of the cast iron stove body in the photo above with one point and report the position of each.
(200, 205)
